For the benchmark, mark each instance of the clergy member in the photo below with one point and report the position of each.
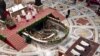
(38, 2)
(2, 9)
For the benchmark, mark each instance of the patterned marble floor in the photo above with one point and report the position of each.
(81, 18)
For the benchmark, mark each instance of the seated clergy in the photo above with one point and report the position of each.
(34, 12)
(32, 9)
(28, 16)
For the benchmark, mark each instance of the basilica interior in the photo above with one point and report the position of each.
(49, 27)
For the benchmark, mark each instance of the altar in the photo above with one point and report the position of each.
(12, 36)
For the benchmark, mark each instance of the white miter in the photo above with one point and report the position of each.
(80, 47)
(23, 13)
(74, 52)
(84, 43)
(18, 18)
